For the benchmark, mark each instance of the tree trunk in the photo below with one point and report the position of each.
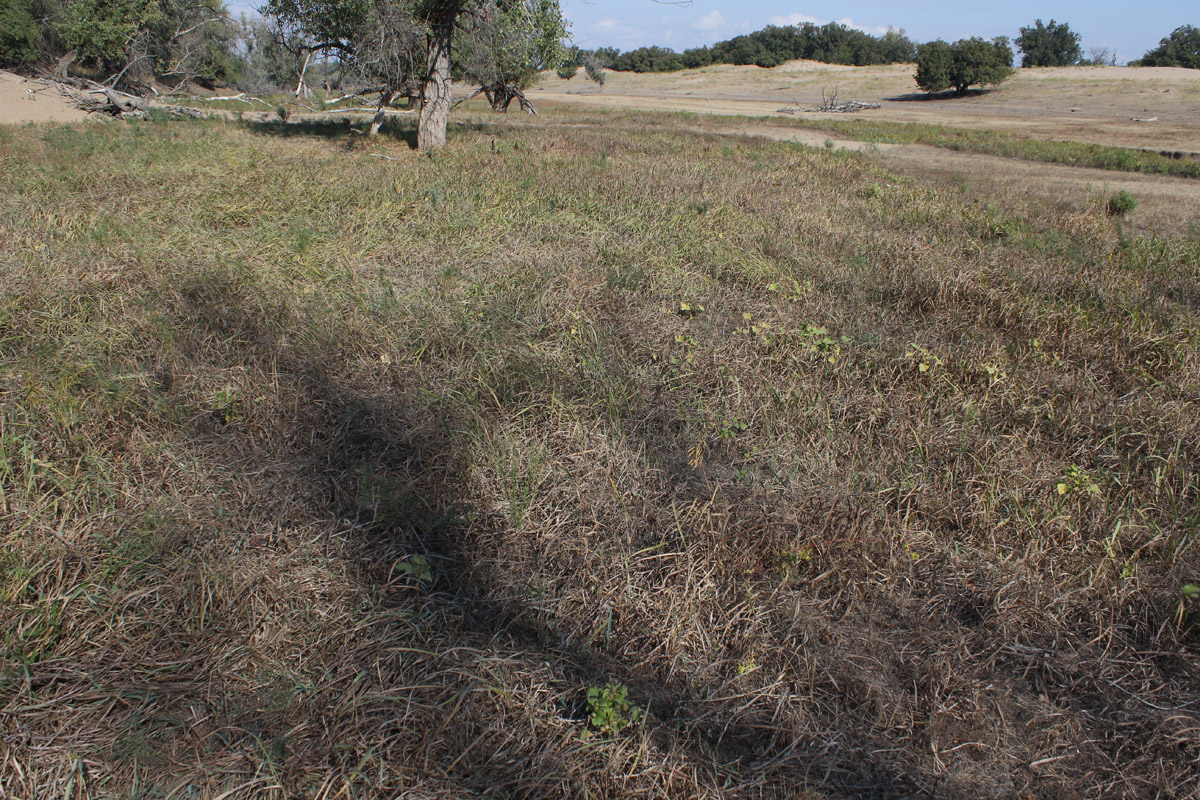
(384, 101)
(501, 98)
(301, 88)
(436, 90)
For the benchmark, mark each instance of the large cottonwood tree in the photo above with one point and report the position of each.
(407, 45)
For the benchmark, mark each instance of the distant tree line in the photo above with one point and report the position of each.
(833, 43)
(1040, 44)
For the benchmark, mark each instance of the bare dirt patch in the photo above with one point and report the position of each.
(23, 100)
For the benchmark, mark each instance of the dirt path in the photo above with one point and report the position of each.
(30, 101)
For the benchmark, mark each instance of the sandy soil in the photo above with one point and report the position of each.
(1086, 104)
(31, 101)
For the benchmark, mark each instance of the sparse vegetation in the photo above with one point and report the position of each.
(326, 475)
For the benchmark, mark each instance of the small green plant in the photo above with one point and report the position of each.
(816, 339)
(924, 359)
(689, 350)
(731, 429)
(829, 144)
(756, 329)
(1078, 482)
(416, 569)
(226, 404)
(1121, 204)
(284, 112)
(610, 710)
(995, 373)
(1189, 605)
(793, 290)
(790, 561)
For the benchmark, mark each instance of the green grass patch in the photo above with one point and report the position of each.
(1001, 143)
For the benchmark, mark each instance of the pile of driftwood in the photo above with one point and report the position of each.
(96, 98)
(105, 100)
(830, 103)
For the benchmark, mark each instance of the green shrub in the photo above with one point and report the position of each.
(19, 36)
(1121, 204)
(1180, 49)
(102, 30)
(1053, 45)
(966, 63)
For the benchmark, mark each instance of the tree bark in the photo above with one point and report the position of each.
(500, 98)
(436, 89)
(384, 101)
(300, 87)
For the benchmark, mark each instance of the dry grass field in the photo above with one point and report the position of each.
(1059, 133)
(601, 459)
(1085, 104)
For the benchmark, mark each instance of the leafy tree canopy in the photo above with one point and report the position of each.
(19, 34)
(1053, 45)
(1180, 49)
(103, 29)
(505, 45)
(966, 63)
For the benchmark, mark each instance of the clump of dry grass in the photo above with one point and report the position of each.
(325, 475)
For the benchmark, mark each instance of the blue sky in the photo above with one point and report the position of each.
(1130, 28)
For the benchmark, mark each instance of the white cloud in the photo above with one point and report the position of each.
(792, 19)
(617, 32)
(874, 30)
(711, 23)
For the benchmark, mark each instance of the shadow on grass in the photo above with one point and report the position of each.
(387, 465)
(924, 97)
(342, 130)
(347, 130)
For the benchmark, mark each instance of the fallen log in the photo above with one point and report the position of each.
(184, 111)
(830, 104)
